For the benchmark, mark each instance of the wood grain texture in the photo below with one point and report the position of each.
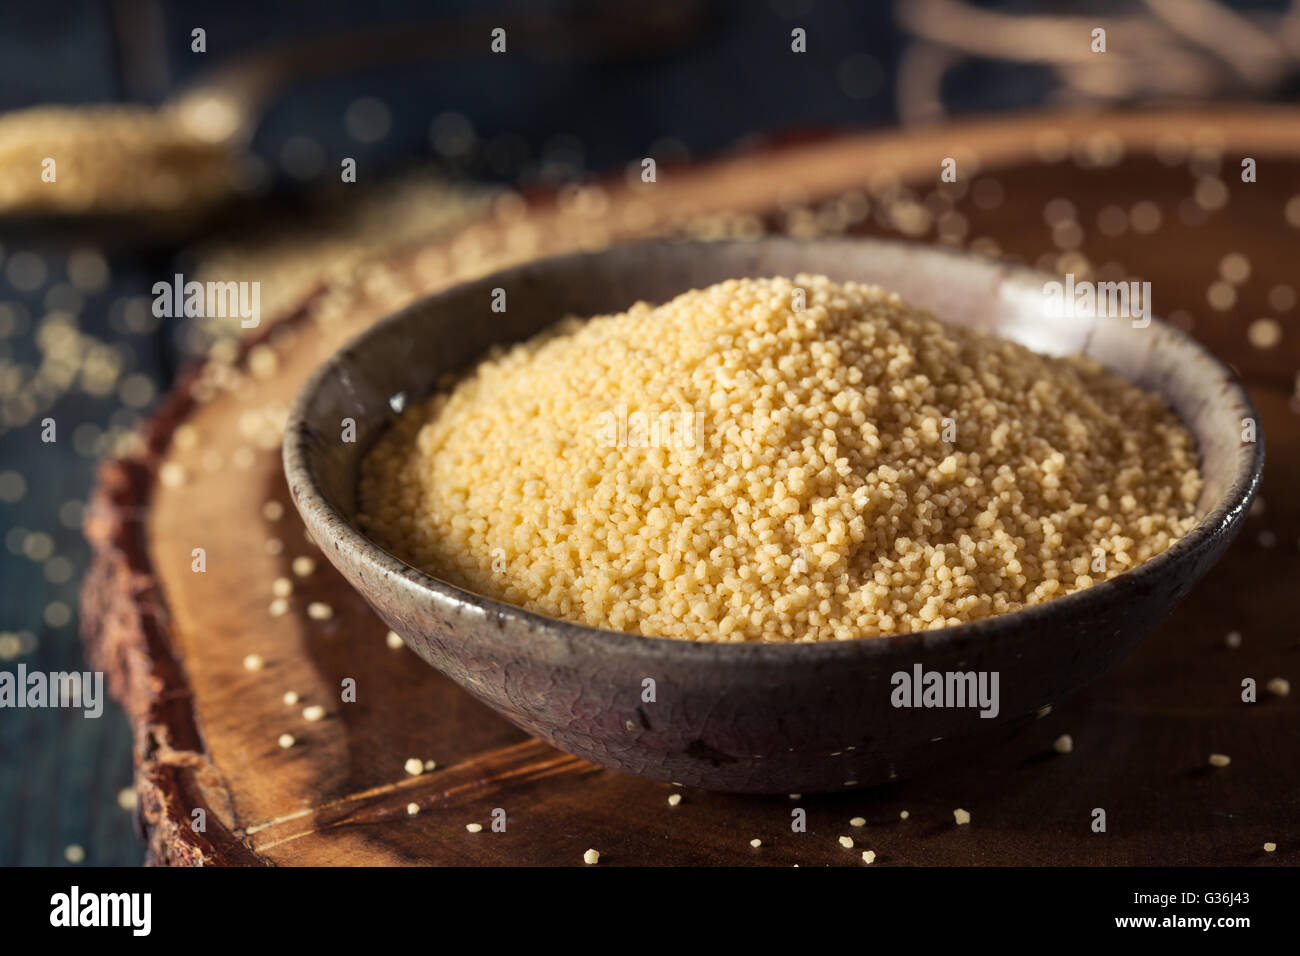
(174, 641)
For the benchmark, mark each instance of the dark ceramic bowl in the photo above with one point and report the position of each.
(767, 718)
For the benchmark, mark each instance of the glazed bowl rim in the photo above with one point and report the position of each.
(312, 502)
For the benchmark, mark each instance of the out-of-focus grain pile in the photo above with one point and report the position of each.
(104, 159)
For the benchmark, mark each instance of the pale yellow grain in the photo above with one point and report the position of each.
(812, 496)
(172, 475)
(1264, 333)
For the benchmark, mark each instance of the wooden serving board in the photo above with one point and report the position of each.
(174, 640)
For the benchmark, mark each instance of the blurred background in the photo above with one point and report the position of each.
(232, 158)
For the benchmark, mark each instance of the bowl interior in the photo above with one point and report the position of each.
(401, 358)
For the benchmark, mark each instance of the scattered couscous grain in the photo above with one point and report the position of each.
(1270, 847)
(674, 799)
(430, 765)
(846, 842)
(904, 815)
(172, 475)
(285, 741)
(281, 587)
(1063, 744)
(728, 466)
(394, 640)
(858, 822)
(74, 853)
(319, 611)
(1233, 639)
(961, 816)
(868, 856)
(474, 827)
(755, 843)
(253, 662)
(290, 698)
(127, 798)
(1220, 760)
(414, 766)
(591, 857)
(1264, 333)
(412, 809)
(303, 566)
(1279, 687)
(313, 713)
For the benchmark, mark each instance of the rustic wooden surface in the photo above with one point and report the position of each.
(174, 640)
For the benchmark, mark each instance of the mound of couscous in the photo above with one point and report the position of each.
(779, 460)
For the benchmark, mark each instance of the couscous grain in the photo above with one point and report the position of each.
(732, 467)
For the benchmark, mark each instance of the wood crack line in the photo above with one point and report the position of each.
(481, 785)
